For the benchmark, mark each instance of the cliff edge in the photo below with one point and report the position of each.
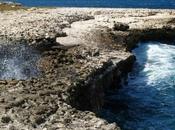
(83, 53)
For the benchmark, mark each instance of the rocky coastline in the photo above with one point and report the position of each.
(84, 52)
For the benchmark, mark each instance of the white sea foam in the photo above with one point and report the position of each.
(150, 94)
(158, 60)
(18, 62)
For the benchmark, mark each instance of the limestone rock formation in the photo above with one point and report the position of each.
(83, 54)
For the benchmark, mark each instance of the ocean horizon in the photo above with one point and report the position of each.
(153, 4)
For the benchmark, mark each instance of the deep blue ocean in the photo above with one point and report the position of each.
(147, 102)
(101, 3)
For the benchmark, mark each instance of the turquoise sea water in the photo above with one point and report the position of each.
(101, 3)
(148, 101)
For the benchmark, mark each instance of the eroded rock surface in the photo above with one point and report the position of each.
(82, 56)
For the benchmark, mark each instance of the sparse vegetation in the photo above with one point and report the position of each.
(8, 7)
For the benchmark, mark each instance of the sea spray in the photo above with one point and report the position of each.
(18, 62)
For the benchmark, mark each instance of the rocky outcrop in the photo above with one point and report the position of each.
(92, 90)
(84, 52)
(120, 27)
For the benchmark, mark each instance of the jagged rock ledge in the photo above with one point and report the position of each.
(84, 52)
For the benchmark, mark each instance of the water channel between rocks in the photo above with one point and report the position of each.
(147, 102)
